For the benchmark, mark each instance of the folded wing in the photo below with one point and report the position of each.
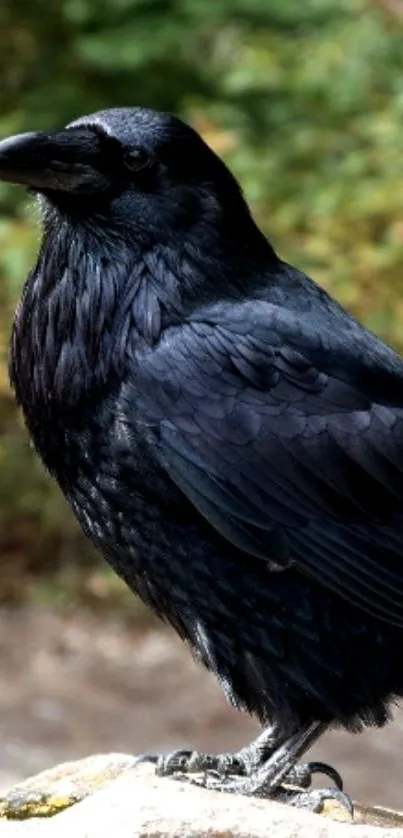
(289, 441)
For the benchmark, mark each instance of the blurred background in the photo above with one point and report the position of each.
(305, 102)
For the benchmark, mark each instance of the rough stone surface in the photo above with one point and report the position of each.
(104, 796)
(60, 787)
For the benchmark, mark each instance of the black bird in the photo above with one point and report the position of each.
(226, 434)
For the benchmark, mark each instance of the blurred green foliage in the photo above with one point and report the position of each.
(305, 102)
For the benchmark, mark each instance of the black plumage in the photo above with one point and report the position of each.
(227, 435)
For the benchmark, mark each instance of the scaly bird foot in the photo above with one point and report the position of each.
(197, 762)
(230, 765)
(267, 768)
(315, 800)
(228, 773)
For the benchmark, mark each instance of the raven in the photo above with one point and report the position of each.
(228, 436)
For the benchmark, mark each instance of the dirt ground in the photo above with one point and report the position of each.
(73, 685)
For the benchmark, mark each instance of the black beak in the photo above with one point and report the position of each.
(73, 160)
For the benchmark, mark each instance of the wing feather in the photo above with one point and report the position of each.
(289, 442)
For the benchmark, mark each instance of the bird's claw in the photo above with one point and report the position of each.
(301, 775)
(140, 758)
(315, 799)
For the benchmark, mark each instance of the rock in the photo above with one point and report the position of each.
(60, 787)
(107, 795)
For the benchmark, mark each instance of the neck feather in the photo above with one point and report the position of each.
(94, 302)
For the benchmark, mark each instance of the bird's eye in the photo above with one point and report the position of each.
(137, 159)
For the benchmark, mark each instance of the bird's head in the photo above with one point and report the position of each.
(139, 168)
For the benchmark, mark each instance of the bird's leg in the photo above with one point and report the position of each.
(266, 768)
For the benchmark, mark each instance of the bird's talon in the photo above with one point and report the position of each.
(316, 799)
(328, 771)
(301, 775)
(152, 758)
